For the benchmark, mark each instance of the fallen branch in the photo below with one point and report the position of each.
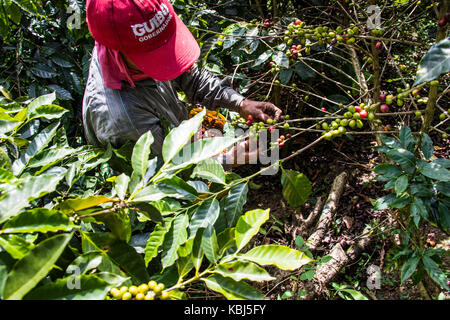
(328, 212)
(340, 258)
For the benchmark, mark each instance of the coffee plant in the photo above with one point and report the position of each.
(81, 222)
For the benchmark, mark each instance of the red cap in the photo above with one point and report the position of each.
(148, 32)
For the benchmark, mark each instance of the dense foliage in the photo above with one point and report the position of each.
(77, 221)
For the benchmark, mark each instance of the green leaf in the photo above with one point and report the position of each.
(286, 75)
(444, 188)
(6, 126)
(149, 211)
(233, 203)
(39, 142)
(434, 63)
(277, 255)
(281, 59)
(296, 187)
(407, 140)
(19, 194)
(46, 99)
(201, 150)
(154, 242)
(85, 262)
(176, 236)
(149, 193)
(141, 153)
(121, 185)
(304, 71)
(77, 204)
(48, 111)
(118, 222)
(210, 170)
(197, 252)
(38, 220)
(263, 58)
(176, 187)
(178, 137)
(409, 268)
(406, 159)
(435, 272)
(48, 158)
(435, 172)
(401, 183)
(209, 244)
(32, 268)
(129, 260)
(82, 287)
(205, 215)
(43, 71)
(248, 225)
(427, 146)
(418, 208)
(16, 246)
(400, 202)
(389, 170)
(230, 289)
(240, 270)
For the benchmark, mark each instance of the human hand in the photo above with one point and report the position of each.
(259, 110)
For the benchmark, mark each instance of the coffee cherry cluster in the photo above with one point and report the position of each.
(146, 291)
(442, 23)
(352, 119)
(268, 23)
(274, 67)
(320, 34)
(270, 125)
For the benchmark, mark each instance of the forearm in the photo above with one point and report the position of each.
(202, 87)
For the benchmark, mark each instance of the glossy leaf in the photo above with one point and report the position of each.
(78, 204)
(427, 146)
(240, 270)
(248, 225)
(38, 220)
(205, 215)
(231, 289)
(50, 111)
(201, 150)
(409, 268)
(149, 211)
(296, 187)
(176, 236)
(32, 268)
(209, 244)
(209, 170)
(39, 142)
(154, 242)
(233, 203)
(141, 153)
(18, 195)
(121, 185)
(277, 255)
(434, 63)
(435, 272)
(181, 135)
(81, 287)
(15, 245)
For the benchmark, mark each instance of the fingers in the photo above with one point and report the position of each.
(272, 110)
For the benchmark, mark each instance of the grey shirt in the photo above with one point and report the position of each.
(119, 115)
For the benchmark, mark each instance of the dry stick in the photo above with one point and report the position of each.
(328, 211)
(306, 223)
(340, 258)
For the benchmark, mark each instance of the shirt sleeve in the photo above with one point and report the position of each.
(202, 87)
